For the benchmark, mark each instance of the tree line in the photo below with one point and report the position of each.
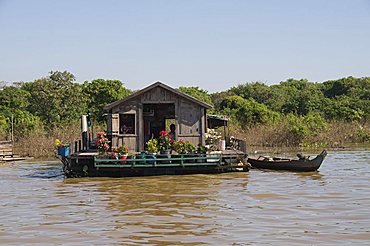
(302, 107)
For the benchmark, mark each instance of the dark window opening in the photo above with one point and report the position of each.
(127, 123)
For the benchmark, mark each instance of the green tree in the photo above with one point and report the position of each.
(101, 92)
(302, 97)
(259, 91)
(247, 111)
(347, 99)
(197, 93)
(218, 97)
(14, 97)
(56, 98)
(24, 122)
(301, 127)
(343, 108)
(232, 104)
(4, 126)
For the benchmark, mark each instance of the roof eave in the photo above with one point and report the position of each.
(158, 83)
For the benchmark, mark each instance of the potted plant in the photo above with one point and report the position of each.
(164, 145)
(201, 151)
(152, 148)
(180, 147)
(212, 137)
(123, 152)
(102, 143)
(190, 150)
(164, 142)
(114, 154)
(62, 148)
(152, 145)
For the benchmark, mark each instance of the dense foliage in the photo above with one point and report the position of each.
(54, 100)
(300, 107)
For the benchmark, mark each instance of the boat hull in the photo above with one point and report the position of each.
(303, 165)
(90, 166)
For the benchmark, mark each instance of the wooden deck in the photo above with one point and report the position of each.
(141, 164)
(6, 152)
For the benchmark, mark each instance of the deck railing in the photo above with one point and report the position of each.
(154, 161)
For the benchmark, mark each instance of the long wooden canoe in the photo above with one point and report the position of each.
(297, 165)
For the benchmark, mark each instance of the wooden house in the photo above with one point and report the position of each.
(142, 115)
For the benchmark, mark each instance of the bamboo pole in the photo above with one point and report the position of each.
(12, 134)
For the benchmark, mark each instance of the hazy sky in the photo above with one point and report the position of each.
(210, 44)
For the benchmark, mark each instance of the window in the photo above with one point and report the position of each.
(127, 123)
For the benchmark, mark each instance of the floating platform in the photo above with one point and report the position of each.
(9, 159)
(89, 164)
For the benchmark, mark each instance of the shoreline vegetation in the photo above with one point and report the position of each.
(293, 113)
(259, 139)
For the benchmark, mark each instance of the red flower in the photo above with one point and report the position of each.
(164, 140)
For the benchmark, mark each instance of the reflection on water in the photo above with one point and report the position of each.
(260, 207)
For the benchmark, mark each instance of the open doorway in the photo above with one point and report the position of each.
(157, 117)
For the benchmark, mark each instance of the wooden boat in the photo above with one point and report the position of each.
(303, 164)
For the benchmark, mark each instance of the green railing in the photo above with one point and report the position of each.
(159, 161)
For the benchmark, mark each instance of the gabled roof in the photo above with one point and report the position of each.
(156, 84)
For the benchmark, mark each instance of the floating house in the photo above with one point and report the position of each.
(135, 119)
(139, 117)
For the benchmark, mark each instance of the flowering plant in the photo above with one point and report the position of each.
(121, 149)
(202, 149)
(213, 135)
(190, 147)
(164, 140)
(59, 144)
(183, 147)
(180, 146)
(152, 145)
(102, 142)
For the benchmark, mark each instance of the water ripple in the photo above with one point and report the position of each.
(260, 207)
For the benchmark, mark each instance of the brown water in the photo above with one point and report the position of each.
(330, 207)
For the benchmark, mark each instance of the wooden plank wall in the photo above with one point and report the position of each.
(6, 149)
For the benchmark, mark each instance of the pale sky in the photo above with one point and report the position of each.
(211, 44)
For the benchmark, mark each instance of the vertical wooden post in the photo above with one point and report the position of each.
(12, 136)
(84, 131)
(140, 131)
(202, 125)
(225, 138)
(177, 125)
(92, 127)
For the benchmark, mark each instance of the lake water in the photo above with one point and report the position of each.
(329, 207)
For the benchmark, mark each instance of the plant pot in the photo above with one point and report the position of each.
(64, 151)
(123, 158)
(215, 155)
(114, 155)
